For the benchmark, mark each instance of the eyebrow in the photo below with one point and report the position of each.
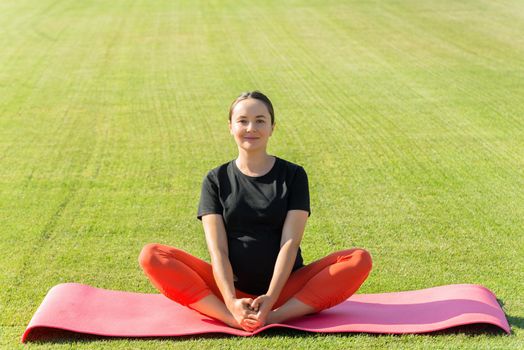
(258, 116)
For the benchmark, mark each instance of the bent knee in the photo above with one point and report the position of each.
(149, 255)
(365, 262)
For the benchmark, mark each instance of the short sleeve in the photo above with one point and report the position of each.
(209, 197)
(299, 192)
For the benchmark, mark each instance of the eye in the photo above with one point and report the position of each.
(242, 121)
(261, 121)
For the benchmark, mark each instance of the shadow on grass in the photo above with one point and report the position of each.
(59, 336)
(514, 321)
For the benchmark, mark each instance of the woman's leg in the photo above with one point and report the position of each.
(189, 281)
(185, 279)
(322, 284)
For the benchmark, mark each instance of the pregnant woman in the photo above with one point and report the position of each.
(254, 210)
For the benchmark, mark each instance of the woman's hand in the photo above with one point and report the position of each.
(262, 305)
(243, 314)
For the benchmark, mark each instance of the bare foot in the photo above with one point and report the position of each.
(272, 317)
(293, 308)
(230, 321)
(213, 307)
(247, 324)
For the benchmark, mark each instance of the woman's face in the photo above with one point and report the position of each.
(250, 124)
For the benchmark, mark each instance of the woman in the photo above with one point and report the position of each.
(254, 210)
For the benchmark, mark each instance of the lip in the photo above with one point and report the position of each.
(251, 138)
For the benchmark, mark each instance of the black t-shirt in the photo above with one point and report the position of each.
(254, 210)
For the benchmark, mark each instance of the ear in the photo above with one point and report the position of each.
(272, 129)
(230, 127)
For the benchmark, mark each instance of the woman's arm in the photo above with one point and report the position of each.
(216, 239)
(292, 233)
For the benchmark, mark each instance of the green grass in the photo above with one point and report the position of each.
(407, 115)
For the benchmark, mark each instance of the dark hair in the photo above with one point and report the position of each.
(257, 95)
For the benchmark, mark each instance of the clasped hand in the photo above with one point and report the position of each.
(251, 314)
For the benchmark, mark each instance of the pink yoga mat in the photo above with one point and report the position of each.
(85, 309)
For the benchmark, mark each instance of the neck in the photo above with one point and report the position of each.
(252, 161)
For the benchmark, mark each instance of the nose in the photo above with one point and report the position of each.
(250, 127)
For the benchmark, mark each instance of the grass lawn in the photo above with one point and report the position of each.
(407, 115)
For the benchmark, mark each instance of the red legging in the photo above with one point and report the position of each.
(322, 284)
